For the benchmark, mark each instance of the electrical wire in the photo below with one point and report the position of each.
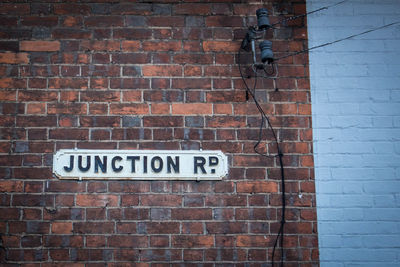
(337, 41)
(308, 13)
(265, 118)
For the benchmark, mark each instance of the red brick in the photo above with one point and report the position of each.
(253, 241)
(192, 9)
(40, 46)
(169, 21)
(11, 186)
(12, 83)
(100, 121)
(9, 213)
(224, 21)
(220, 46)
(257, 187)
(222, 109)
(219, 71)
(129, 109)
(67, 108)
(307, 161)
(130, 83)
(188, 241)
(95, 241)
(93, 227)
(189, 58)
(225, 121)
(191, 109)
(226, 200)
(71, 34)
(128, 33)
(192, 70)
(226, 227)
(190, 83)
(14, 58)
(227, 96)
(131, 46)
(100, 96)
(7, 95)
(107, 45)
(65, 83)
(132, 241)
(98, 83)
(162, 121)
(160, 108)
(14, 9)
(159, 241)
(97, 200)
(104, 21)
(65, 186)
(158, 70)
(161, 200)
(162, 228)
(129, 9)
(69, 134)
(70, 8)
(191, 214)
(61, 227)
(161, 46)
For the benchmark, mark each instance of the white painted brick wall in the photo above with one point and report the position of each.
(355, 88)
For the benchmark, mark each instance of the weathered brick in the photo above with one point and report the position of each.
(220, 46)
(158, 70)
(130, 46)
(93, 227)
(39, 46)
(191, 214)
(129, 109)
(14, 9)
(67, 9)
(192, 109)
(135, 241)
(104, 21)
(161, 200)
(161, 46)
(14, 58)
(257, 187)
(185, 241)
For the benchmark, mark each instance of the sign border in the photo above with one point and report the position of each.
(61, 152)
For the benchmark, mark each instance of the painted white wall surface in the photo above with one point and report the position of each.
(355, 87)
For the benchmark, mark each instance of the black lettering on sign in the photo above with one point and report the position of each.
(174, 165)
(102, 164)
(213, 161)
(133, 160)
(199, 162)
(80, 167)
(160, 164)
(145, 164)
(71, 164)
(115, 169)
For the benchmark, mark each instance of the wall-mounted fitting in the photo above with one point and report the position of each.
(262, 18)
(266, 52)
(253, 35)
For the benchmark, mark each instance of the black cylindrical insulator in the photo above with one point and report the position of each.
(266, 51)
(262, 18)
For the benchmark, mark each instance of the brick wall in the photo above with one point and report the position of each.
(356, 111)
(150, 76)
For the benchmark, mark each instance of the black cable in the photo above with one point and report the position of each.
(4, 249)
(308, 13)
(337, 41)
(280, 234)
